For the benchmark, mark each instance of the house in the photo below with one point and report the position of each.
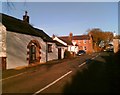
(22, 45)
(84, 42)
(76, 43)
(61, 49)
(65, 40)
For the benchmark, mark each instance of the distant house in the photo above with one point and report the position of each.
(61, 49)
(21, 44)
(76, 43)
(72, 47)
(66, 42)
(84, 42)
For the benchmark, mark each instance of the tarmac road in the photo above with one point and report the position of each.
(47, 78)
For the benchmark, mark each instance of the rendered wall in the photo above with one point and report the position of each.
(54, 54)
(63, 51)
(2, 41)
(2, 47)
(17, 49)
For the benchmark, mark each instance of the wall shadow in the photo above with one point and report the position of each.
(99, 77)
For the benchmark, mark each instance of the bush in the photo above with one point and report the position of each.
(67, 54)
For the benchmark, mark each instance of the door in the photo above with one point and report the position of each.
(59, 53)
(3, 63)
(33, 52)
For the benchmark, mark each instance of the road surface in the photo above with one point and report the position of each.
(47, 79)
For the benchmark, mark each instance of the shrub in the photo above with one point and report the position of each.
(67, 54)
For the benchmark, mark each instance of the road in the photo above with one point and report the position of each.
(46, 79)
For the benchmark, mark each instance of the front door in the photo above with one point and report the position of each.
(59, 53)
(34, 52)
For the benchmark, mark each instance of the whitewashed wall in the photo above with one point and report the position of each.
(17, 49)
(62, 48)
(2, 41)
(62, 51)
(54, 54)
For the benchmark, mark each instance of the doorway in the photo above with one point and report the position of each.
(59, 53)
(33, 52)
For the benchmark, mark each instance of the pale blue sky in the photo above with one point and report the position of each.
(63, 18)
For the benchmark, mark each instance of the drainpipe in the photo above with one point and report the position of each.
(46, 52)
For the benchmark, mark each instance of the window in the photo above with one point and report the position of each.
(89, 41)
(32, 53)
(80, 47)
(84, 41)
(85, 48)
(49, 48)
(79, 42)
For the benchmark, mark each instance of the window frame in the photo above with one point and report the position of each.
(50, 48)
(33, 53)
(85, 41)
(85, 48)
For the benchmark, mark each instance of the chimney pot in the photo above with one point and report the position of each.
(26, 17)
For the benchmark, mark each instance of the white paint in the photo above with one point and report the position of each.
(93, 58)
(2, 41)
(71, 48)
(52, 83)
(54, 54)
(60, 41)
(13, 76)
(62, 52)
(82, 64)
(17, 49)
(62, 48)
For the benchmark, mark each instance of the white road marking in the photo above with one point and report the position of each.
(96, 56)
(82, 64)
(93, 58)
(52, 83)
(12, 76)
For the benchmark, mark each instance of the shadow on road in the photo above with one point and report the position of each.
(99, 77)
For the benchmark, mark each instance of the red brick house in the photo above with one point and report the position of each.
(84, 42)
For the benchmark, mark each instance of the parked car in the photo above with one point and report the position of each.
(80, 52)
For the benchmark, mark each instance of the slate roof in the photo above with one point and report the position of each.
(77, 37)
(81, 37)
(16, 25)
(65, 39)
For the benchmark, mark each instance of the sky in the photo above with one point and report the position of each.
(61, 18)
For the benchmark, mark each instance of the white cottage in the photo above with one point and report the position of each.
(21, 44)
(70, 46)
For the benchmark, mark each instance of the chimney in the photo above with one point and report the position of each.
(26, 17)
(70, 36)
(53, 36)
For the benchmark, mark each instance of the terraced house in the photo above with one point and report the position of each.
(76, 43)
(84, 42)
(21, 44)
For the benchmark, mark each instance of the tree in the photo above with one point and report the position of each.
(100, 36)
